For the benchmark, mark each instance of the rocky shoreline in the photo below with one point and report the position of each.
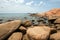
(45, 27)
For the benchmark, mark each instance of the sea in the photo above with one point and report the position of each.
(13, 16)
(17, 16)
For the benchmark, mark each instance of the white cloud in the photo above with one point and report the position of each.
(41, 3)
(18, 9)
(30, 3)
(19, 1)
(13, 1)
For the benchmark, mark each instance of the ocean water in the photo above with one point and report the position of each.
(20, 16)
(6, 16)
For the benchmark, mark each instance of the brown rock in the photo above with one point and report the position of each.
(55, 36)
(22, 28)
(58, 26)
(57, 20)
(7, 28)
(25, 37)
(53, 30)
(38, 33)
(52, 14)
(27, 23)
(15, 36)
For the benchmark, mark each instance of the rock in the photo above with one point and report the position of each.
(57, 26)
(53, 30)
(25, 37)
(27, 23)
(16, 36)
(55, 36)
(7, 28)
(38, 33)
(57, 20)
(22, 28)
(51, 14)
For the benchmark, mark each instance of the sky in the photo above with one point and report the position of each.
(27, 6)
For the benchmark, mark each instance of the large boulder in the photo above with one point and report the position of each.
(51, 14)
(16, 36)
(55, 36)
(7, 28)
(38, 33)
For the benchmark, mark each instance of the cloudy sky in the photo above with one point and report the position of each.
(27, 6)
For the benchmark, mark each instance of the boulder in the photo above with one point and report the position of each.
(55, 36)
(23, 29)
(57, 21)
(38, 33)
(57, 26)
(16, 36)
(53, 30)
(25, 37)
(7, 28)
(27, 23)
(51, 14)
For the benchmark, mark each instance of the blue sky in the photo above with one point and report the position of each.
(27, 6)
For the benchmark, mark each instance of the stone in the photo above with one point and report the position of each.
(57, 20)
(27, 23)
(22, 28)
(51, 14)
(53, 30)
(55, 36)
(57, 26)
(16, 36)
(25, 37)
(38, 33)
(7, 28)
